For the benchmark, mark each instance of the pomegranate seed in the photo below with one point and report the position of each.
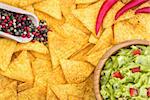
(137, 52)
(117, 75)
(133, 92)
(134, 70)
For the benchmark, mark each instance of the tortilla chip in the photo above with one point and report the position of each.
(72, 32)
(10, 92)
(50, 94)
(50, 7)
(63, 47)
(29, 8)
(93, 10)
(125, 31)
(93, 39)
(105, 40)
(66, 7)
(85, 1)
(36, 46)
(52, 23)
(71, 97)
(41, 56)
(20, 69)
(24, 86)
(81, 54)
(63, 90)
(32, 94)
(4, 81)
(7, 49)
(41, 70)
(94, 57)
(76, 71)
(57, 76)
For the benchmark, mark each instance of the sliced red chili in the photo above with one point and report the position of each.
(143, 10)
(128, 6)
(136, 52)
(148, 92)
(137, 69)
(133, 92)
(117, 74)
(107, 5)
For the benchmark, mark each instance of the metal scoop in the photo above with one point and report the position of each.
(18, 10)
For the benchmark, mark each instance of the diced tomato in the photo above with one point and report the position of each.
(117, 75)
(148, 92)
(136, 69)
(137, 52)
(133, 92)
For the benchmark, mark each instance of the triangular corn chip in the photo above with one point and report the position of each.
(63, 47)
(7, 49)
(36, 46)
(76, 71)
(88, 15)
(84, 1)
(81, 54)
(41, 56)
(29, 8)
(10, 92)
(57, 76)
(66, 7)
(125, 31)
(51, 7)
(94, 57)
(41, 70)
(71, 32)
(32, 94)
(105, 40)
(50, 94)
(24, 86)
(63, 90)
(20, 69)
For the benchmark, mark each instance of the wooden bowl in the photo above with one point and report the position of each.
(106, 56)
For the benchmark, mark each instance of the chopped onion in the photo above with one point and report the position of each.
(143, 10)
(128, 6)
(107, 5)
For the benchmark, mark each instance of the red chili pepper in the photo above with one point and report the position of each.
(134, 70)
(117, 75)
(133, 92)
(148, 92)
(107, 5)
(137, 52)
(128, 6)
(143, 10)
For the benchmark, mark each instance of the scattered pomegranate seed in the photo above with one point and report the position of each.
(134, 70)
(148, 92)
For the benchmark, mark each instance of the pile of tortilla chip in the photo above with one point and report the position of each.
(64, 69)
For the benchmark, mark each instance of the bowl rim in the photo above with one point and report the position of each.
(104, 58)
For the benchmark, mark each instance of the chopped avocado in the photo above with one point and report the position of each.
(126, 74)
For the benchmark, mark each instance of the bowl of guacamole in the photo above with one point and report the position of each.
(123, 73)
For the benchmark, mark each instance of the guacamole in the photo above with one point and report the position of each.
(126, 74)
